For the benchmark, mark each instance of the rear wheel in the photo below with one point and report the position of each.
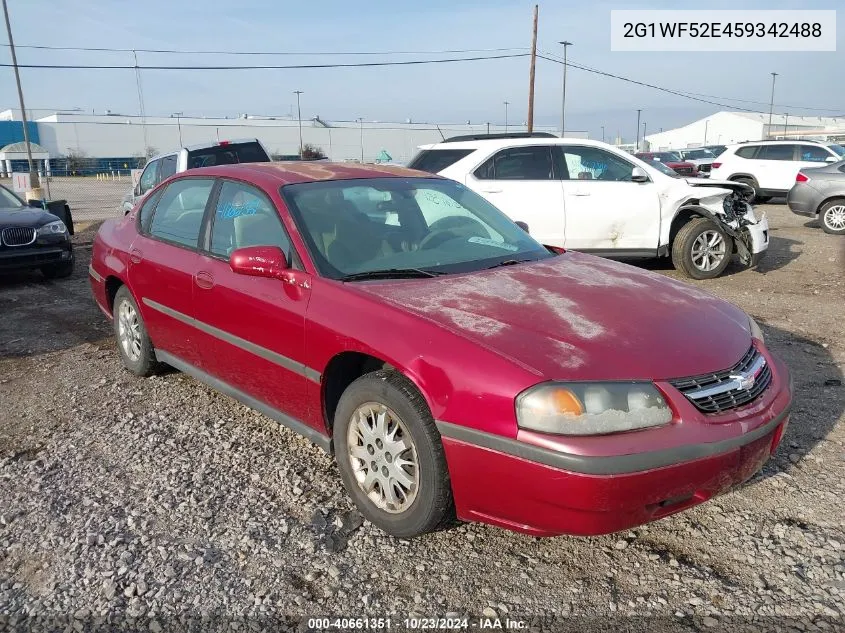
(832, 216)
(753, 184)
(701, 250)
(390, 455)
(133, 343)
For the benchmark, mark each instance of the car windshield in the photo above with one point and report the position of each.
(8, 199)
(400, 225)
(666, 156)
(837, 149)
(696, 154)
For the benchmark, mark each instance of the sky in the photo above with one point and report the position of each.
(444, 93)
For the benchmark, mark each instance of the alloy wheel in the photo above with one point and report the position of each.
(834, 217)
(708, 250)
(129, 331)
(383, 457)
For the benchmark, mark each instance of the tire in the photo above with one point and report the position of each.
(687, 254)
(136, 350)
(832, 216)
(753, 184)
(419, 505)
(58, 271)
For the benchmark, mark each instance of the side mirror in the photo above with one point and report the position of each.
(831, 159)
(137, 191)
(522, 225)
(638, 175)
(259, 261)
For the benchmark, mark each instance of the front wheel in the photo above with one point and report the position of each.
(832, 216)
(390, 455)
(701, 250)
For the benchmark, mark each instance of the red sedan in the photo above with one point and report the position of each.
(451, 363)
(673, 161)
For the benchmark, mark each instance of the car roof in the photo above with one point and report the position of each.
(208, 145)
(292, 172)
(493, 144)
(781, 141)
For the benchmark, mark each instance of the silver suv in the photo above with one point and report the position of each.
(163, 166)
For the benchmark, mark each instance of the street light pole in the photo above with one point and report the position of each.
(506, 116)
(299, 118)
(566, 45)
(785, 124)
(643, 134)
(361, 123)
(33, 173)
(602, 134)
(637, 144)
(772, 103)
(179, 125)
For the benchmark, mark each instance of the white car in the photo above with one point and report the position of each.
(589, 196)
(770, 167)
(163, 166)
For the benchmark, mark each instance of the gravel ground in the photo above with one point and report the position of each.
(157, 501)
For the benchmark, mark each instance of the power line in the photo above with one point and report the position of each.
(408, 62)
(287, 53)
(687, 95)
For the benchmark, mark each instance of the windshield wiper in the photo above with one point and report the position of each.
(392, 273)
(510, 262)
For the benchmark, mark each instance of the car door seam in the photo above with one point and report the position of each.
(267, 354)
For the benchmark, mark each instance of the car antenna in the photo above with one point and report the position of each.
(439, 130)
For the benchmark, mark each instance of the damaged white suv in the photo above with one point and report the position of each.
(589, 196)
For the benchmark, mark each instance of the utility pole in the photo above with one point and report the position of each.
(299, 118)
(602, 134)
(506, 116)
(705, 131)
(785, 124)
(772, 103)
(531, 72)
(566, 45)
(33, 173)
(637, 144)
(643, 134)
(361, 123)
(179, 124)
(141, 105)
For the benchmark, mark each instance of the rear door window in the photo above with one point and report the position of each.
(227, 154)
(436, 160)
(777, 152)
(178, 215)
(518, 163)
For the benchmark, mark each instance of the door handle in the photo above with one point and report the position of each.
(135, 256)
(204, 279)
(492, 190)
(580, 192)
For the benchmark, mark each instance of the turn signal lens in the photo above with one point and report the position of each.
(565, 402)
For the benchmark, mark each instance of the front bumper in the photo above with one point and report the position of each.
(759, 234)
(523, 491)
(22, 258)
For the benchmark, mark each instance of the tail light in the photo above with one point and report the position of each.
(716, 165)
(801, 177)
(223, 143)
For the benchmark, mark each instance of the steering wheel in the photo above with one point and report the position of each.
(454, 226)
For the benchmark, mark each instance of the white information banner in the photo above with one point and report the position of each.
(20, 182)
(719, 30)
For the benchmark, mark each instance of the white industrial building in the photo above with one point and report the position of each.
(724, 128)
(116, 136)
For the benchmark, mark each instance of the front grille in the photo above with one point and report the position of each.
(18, 236)
(704, 168)
(725, 390)
(683, 170)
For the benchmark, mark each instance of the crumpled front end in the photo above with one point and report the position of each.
(736, 216)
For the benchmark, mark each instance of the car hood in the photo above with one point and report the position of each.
(719, 184)
(25, 216)
(580, 317)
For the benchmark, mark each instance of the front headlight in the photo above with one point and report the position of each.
(756, 332)
(53, 228)
(591, 408)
